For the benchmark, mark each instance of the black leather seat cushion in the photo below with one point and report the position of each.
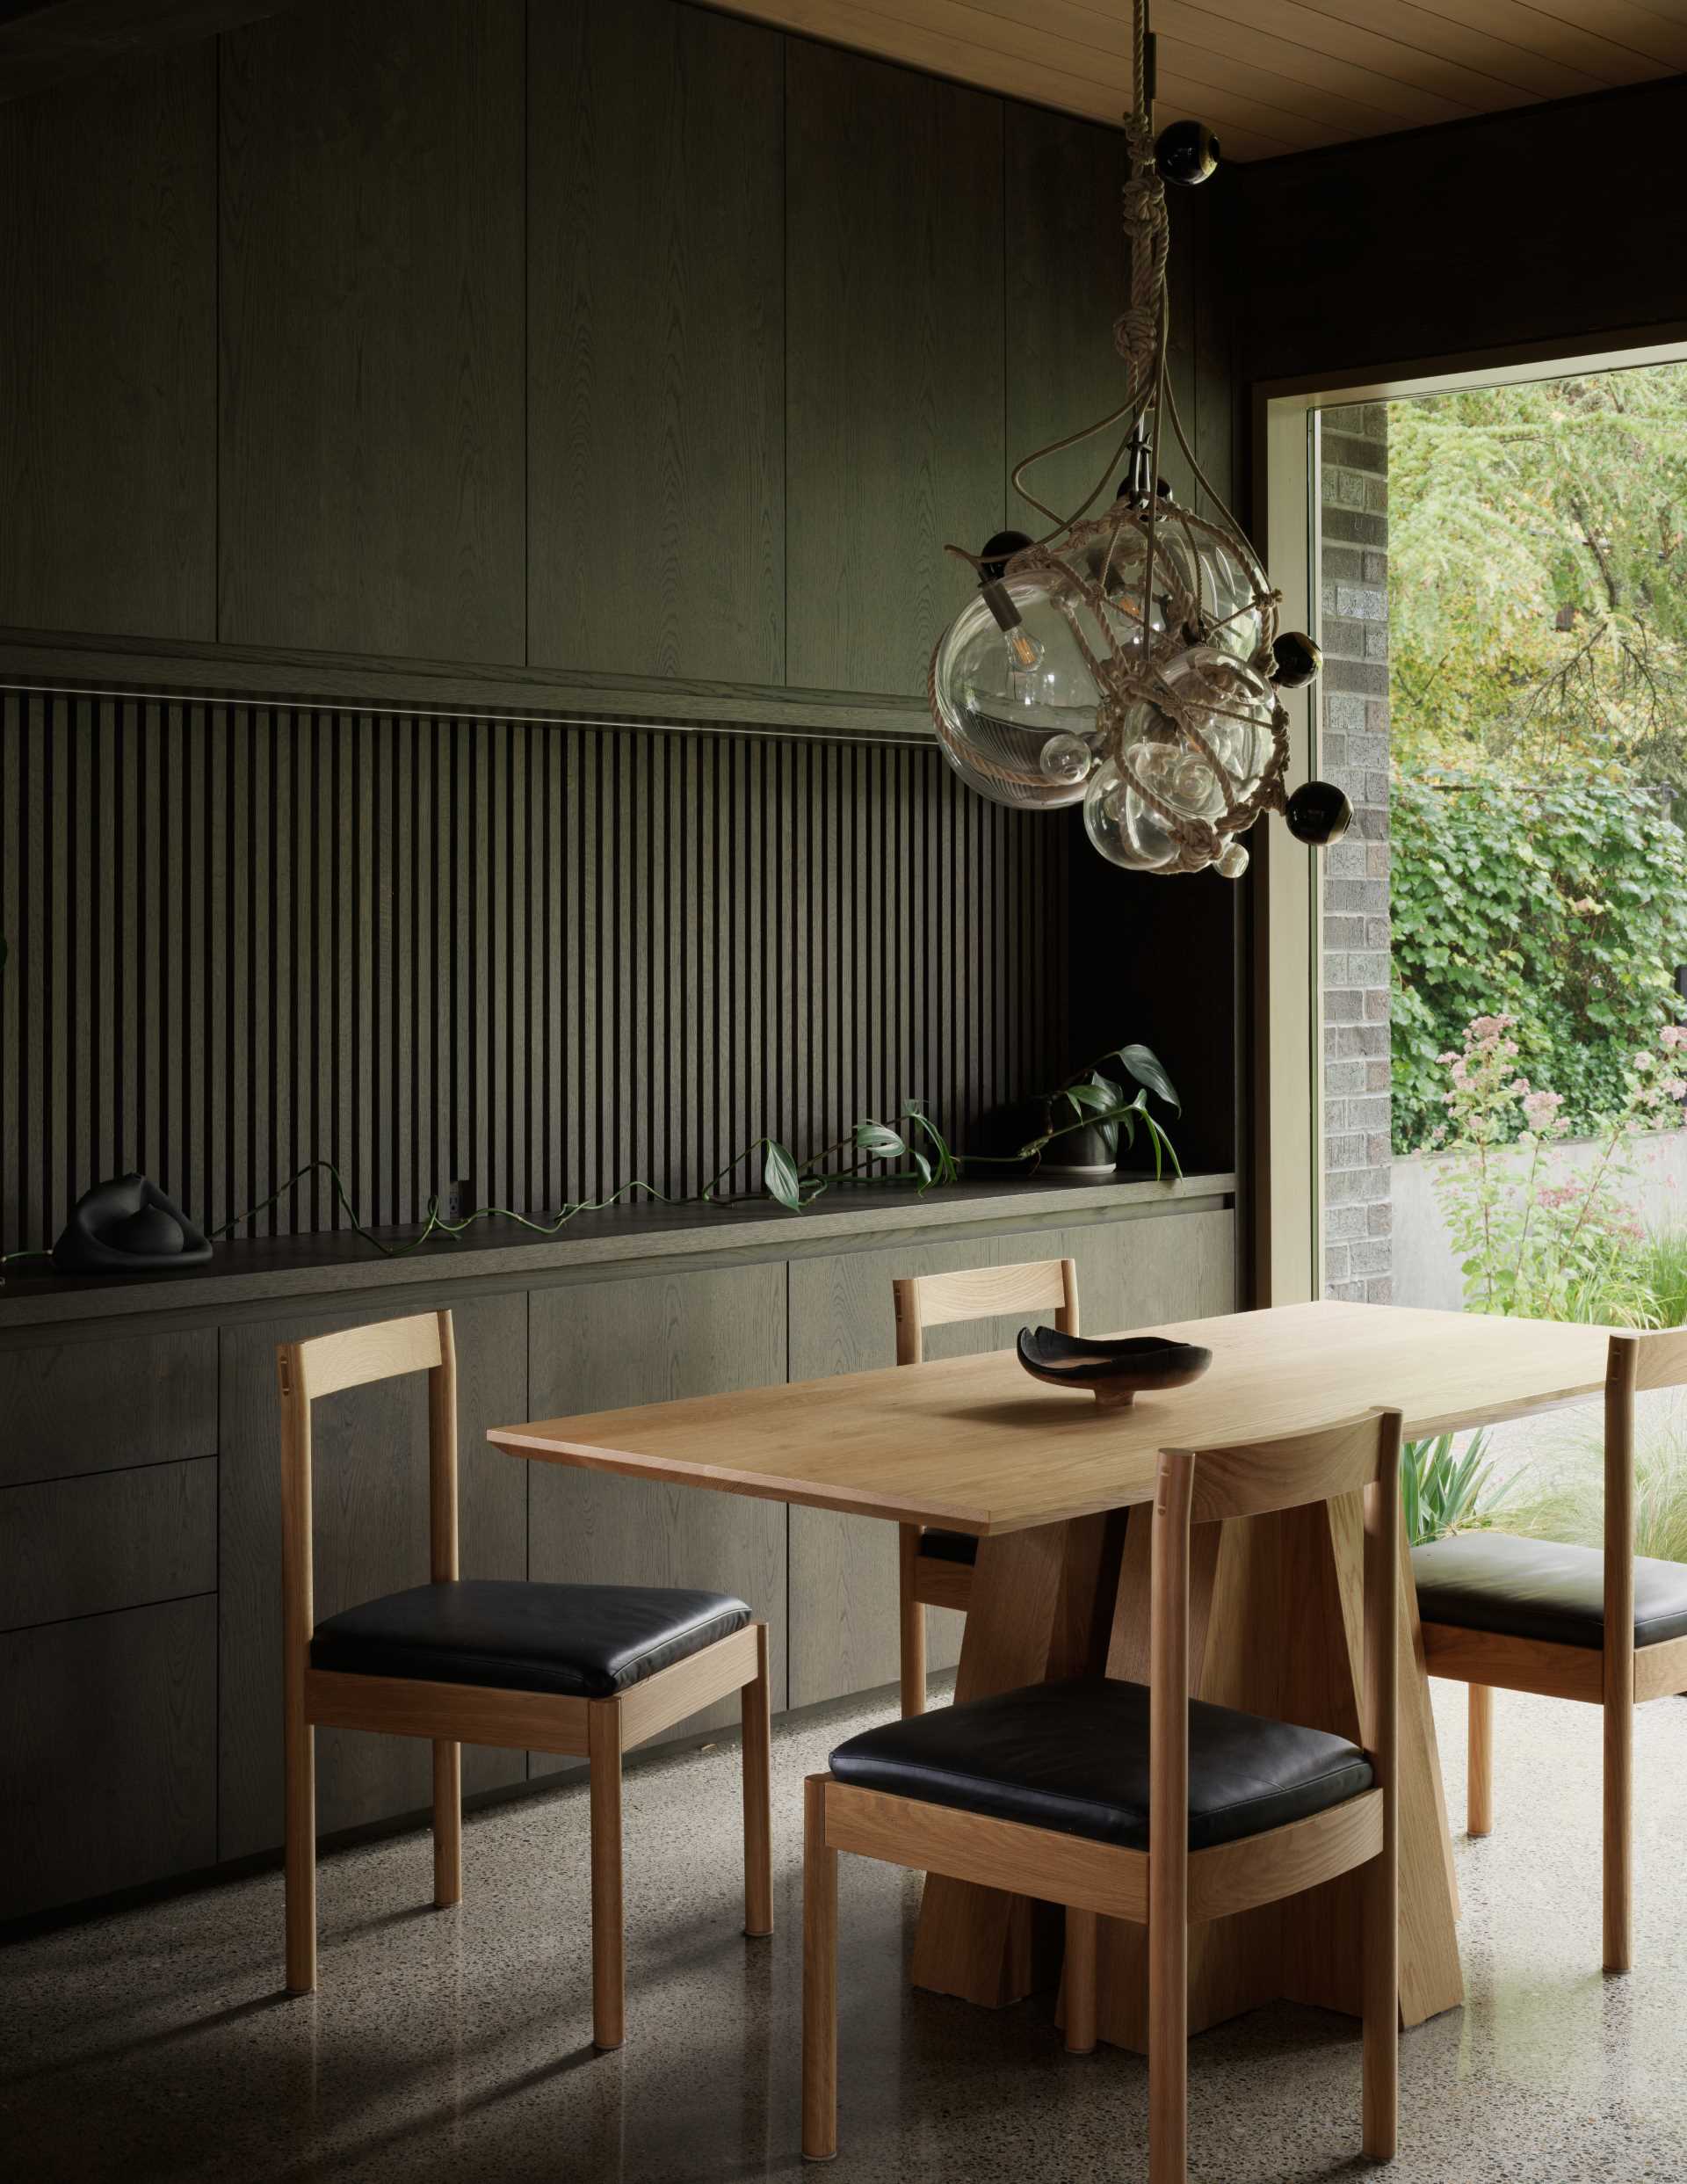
(1074, 1757)
(1539, 1589)
(577, 1641)
(949, 1546)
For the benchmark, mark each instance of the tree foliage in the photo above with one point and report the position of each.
(1563, 907)
(1537, 577)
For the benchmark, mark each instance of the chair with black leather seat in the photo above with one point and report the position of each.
(935, 1567)
(1602, 1626)
(584, 1670)
(1138, 1804)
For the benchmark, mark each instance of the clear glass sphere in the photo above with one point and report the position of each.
(1125, 830)
(1004, 697)
(1233, 860)
(1109, 553)
(1232, 707)
(1224, 588)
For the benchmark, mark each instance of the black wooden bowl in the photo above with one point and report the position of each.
(1115, 1370)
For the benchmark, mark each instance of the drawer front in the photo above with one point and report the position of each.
(107, 1753)
(119, 1538)
(92, 1405)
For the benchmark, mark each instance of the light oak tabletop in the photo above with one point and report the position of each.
(976, 1445)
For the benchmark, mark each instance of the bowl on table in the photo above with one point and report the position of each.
(1115, 1369)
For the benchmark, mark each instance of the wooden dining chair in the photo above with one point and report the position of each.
(585, 1670)
(1605, 1627)
(935, 1567)
(1122, 1801)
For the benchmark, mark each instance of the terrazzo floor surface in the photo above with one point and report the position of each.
(153, 2043)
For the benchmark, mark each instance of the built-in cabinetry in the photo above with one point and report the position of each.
(506, 353)
(140, 1518)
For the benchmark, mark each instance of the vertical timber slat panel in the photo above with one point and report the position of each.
(551, 960)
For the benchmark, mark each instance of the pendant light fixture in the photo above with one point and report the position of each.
(1131, 661)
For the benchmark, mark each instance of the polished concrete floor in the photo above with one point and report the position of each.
(455, 2045)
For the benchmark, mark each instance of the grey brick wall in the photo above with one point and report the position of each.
(1353, 577)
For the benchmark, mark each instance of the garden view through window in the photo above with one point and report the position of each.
(1504, 595)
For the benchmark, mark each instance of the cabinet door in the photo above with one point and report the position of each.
(108, 386)
(1067, 271)
(80, 1406)
(895, 330)
(371, 1510)
(597, 1345)
(108, 1753)
(655, 246)
(372, 325)
(1152, 1268)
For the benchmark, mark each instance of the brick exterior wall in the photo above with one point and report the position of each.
(1353, 574)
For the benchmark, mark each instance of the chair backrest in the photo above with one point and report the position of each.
(1635, 1365)
(324, 1366)
(1253, 1479)
(923, 1301)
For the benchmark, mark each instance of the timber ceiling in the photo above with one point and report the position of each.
(1270, 76)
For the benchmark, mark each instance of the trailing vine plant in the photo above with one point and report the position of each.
(921, 1158)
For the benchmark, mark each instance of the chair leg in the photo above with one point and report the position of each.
(1478, 1785)
(819, 1978)
(912, 1622)
(1619, 1883)
(758, 1821)
(1168, 2051)
(1380, 2004)
(447, 1823)
(1080, 1981)
(300, 1860)
(608, 1962)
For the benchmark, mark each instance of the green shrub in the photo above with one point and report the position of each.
(1563, 1495)
(1563, 906)
(1442, 1491)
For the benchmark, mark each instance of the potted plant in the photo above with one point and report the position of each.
(1082, 1122)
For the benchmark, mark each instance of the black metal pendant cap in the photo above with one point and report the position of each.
(1318, 814)
(1297, 660)
(1186, 152)
(998, 552)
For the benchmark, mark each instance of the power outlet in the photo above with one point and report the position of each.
(457, 1200)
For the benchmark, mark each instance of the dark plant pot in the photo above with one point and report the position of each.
(1092, 1151)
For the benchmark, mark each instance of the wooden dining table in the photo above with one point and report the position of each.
(1058, 1491)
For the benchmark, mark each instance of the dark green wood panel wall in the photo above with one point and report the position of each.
(617, 342)
(895, 332)
(372, 330)
(108, 360)
(655, 242)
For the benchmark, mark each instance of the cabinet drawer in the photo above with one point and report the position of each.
(107, 1753)
(90, 1405)
(119, 1538)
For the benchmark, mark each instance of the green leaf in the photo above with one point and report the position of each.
(1146, 1067)
(779, 1175)
(880, 1140)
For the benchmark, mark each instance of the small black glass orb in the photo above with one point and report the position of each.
(1318, 814)
(998, 552)
(1186, 153)
(1297, 660)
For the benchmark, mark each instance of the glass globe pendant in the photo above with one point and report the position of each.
(1131, 661)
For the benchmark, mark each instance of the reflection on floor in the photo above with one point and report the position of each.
(455, 2045)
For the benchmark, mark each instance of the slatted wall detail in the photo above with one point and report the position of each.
(544, 959)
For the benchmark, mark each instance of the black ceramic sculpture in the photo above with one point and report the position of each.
(1115, 1370)
(128, 1226)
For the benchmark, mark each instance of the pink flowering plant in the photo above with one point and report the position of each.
(1550, 1239)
